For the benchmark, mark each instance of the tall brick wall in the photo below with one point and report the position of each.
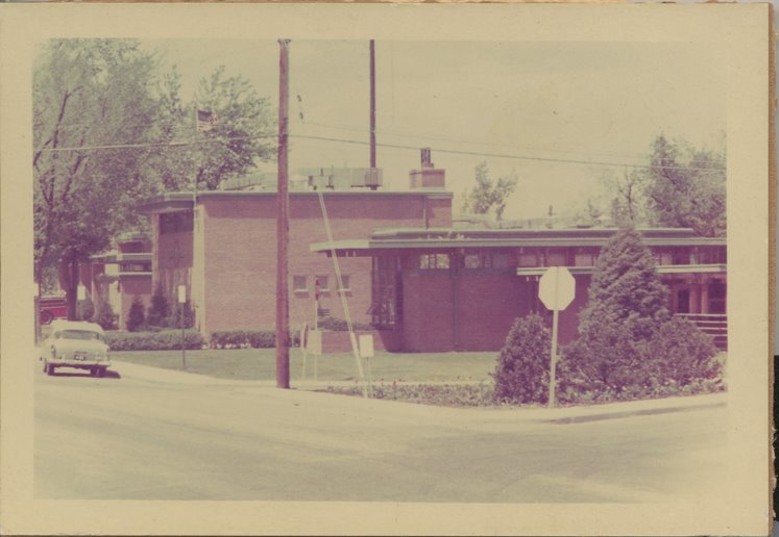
(240, 253)
(427, 311)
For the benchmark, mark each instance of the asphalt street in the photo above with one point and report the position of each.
(146, 434)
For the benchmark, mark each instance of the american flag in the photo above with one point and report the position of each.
(205, 120)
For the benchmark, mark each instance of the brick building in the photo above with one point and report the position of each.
(454, 289)
(222, 247)
(427, 286)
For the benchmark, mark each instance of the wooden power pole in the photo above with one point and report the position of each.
(282, 226)
(373, 103)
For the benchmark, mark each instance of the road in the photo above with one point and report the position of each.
(175, 436)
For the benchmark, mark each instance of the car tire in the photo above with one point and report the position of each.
(46, 317)
(101, 372)
(50, 370)
(93, 372)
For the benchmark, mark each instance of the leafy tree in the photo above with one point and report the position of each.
(239, 135)
(488, 195)
(89, 96)
(136, 319)
(522, 371)
(685, 187)
(159, 309)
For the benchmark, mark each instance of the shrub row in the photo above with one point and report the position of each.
(154, 341)
(242, 339)
(339, 325)
(451, 395)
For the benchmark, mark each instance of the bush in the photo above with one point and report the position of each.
(682, 353)
(136, 318)
(174, 320)
(679, 359)
(105, 316)
(86, 309)
(334, 324)
(154, 341)
(159, 309)
(522, 371)
(241, 339)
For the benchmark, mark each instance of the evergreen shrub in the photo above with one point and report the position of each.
(522, 372)
(105, 316)
(136, 319)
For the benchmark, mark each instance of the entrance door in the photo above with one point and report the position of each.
(683, 301)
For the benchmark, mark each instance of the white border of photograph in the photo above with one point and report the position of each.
(741, 31)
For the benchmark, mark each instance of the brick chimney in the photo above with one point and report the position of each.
(427, 176)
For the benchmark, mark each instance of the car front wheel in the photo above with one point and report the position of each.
(51, 369)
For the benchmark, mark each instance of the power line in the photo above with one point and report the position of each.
(551, 160)
(506, 156)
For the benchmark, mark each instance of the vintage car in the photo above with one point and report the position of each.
(75, 344)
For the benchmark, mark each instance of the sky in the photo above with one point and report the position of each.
(526, 108)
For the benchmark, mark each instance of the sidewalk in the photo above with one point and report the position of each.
(559, 415)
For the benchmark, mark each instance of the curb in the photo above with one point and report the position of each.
(630, 413)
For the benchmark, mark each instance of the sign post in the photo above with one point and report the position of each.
(182, 298)
(556, 289)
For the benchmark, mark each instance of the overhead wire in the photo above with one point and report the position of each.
(483, 154)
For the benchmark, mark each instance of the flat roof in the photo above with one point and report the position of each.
(183, 201)
(445, 239)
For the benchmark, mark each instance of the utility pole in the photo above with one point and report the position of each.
(373, 104)
(282, 226)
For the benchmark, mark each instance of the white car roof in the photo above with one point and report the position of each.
(59, 325)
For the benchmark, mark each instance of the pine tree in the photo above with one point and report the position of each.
(625, 289)
(159, 310)
(136, 318)
(627, 306)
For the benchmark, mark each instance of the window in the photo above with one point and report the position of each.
(528, 259)
(556, 258)
(300, 284)
(346, 284)
(175, 222)
(135, 267)
(664, 258)
(473, 261)
(434, 261)
(323, 283)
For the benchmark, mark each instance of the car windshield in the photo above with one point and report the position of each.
(79, 334)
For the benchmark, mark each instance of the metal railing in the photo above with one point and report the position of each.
(714, 324)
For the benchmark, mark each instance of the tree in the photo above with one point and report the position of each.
(159, 309)
(488, 195)
(240, 134)
(136, 318)
(93, 111)
(522, 372)
(625, 289)
(685, 187)
(626, 306)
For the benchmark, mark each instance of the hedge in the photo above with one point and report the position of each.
(154, 341)
(241, 339)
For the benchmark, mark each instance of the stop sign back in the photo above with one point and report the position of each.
(557, 288)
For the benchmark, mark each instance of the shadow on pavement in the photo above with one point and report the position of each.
(108, 375)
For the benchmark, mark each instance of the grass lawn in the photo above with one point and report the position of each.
(260, 364)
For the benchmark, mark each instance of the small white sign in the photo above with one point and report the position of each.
(81, 292)
(366, 345)
(314, 342)
(182, 294)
